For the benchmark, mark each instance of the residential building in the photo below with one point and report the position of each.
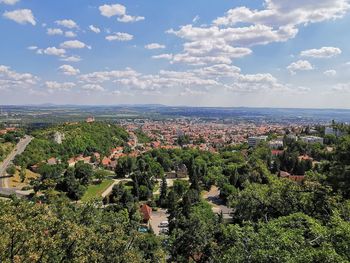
(312, 139)
(256, 140)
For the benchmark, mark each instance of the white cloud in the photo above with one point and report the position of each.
(130, 19)
(70, 34)
(68, 70)
(119, 11)
(54, 31)
(112, 10)
(52, 51)
(330, 73)
(324, 52)
(300, 65)
(92, 87)
(32, 48)
(68, 23)
(9, 2)
(21, 16)
(120, 37)
(74, 44)
(10, 78)
(241, 27)
(196, 81)
(59, 86)
(154, 46)
(163, 56)
(71, 59)
(94, 29)
(285, 12)
(341, 87)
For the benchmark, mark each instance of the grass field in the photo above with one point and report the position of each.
(96, 190)
(15, 181)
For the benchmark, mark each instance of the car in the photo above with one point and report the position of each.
(164, 224)
(164, 231)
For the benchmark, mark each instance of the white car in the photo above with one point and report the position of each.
(164, 230)
(164, 224)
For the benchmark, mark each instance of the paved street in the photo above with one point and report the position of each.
(19, 148)
(213, 197)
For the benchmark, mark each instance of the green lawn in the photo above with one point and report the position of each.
(96, 190)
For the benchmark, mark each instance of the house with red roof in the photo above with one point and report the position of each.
(146, 213)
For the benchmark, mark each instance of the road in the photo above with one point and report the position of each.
(6, 192)
(110, 188)
(218, 206)
(19, 148)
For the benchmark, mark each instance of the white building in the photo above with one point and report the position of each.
(255, 141)
(276, 144)
(312, 139)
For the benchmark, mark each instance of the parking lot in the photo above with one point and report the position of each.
(158, 217)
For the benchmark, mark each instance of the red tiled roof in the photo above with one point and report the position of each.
(146, 212)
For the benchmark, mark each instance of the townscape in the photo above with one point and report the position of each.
(159, 177)
(179, 131)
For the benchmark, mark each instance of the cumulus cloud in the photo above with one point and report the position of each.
(9, 2)
(324, 52)
(92, 87)
(94, 29)
(52, 51)
(70, 34)
(130, 19)
(71, 59)
(284, 12)
(74, 44)
(54, 31)
(59, 86)
(119, 11)
(300, 65)
(68, 70)
(190, 82)
(242, 27)
(68, 23)
(330, 73)
(154, 46)
(119, 36)
(10, 78)
(21, 16)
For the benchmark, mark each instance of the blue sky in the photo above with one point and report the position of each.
(261, 53)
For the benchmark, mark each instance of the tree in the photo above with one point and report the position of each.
(83, 172)
(23, 174)
(11, 170)
(163, 193)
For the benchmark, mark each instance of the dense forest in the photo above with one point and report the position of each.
(274, 219)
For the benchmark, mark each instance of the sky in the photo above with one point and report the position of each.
(253, 53)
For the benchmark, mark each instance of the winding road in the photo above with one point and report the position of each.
(19, 148)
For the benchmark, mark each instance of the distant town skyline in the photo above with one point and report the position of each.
(255, 53)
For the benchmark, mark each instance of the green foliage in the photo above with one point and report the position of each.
(82, 138)
(142, 137)
(11, 170)
(65, 233)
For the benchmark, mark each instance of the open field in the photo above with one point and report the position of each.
(16, 182)
(96, 190)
